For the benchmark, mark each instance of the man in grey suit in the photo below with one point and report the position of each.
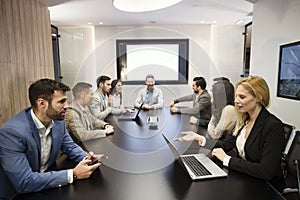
(201, 109)
(31, 141)
(81, 124)
(100, 107)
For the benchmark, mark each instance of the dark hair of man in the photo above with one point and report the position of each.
(197, 78)
(44, 88)
(79, 88)
(223, 95)
(102, 79)
(201, 82)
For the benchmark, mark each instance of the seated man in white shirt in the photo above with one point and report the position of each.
(151, 96)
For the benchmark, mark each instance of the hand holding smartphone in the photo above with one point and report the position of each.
(97, 158)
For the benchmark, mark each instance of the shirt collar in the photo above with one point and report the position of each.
(38, 123)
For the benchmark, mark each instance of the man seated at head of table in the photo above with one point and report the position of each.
(151, 96)
(81, 124)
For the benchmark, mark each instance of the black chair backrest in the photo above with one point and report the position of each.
(293, 154)
(288, 129)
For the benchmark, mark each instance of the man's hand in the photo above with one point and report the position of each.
(146, 107)
(96, 158)
(84, 170)
(172, 103)
(109, 129)
(173, 110)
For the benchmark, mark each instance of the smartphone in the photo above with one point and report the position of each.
(102, 158)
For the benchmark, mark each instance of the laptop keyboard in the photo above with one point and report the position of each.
(195, 166)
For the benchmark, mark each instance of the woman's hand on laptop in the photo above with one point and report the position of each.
(188, 136)
(219, 153)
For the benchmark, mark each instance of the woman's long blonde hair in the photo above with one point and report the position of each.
(258, 88)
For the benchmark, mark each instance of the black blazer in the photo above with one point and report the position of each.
(263, 149)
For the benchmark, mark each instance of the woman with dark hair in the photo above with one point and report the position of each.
(115, 96)
(223, 111)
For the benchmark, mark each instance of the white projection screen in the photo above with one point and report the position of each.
(165, 59)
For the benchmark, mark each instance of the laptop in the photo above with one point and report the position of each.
(198, 166)
(131, 116)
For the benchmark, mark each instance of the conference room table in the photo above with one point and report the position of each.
(140, 165)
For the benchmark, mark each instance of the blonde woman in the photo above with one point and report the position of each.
(258, 136)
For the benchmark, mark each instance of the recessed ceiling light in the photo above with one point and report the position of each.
(143, 5)
(239, 21)
(101, 23)
(89, 23)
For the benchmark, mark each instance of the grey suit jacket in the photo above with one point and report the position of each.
(99, 107)
(81, 124)
(201, 110)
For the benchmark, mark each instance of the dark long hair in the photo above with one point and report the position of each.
(113, 88)
(223, 95)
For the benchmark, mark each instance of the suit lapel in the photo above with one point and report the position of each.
(54, 150)
(35, 134)
(256, 129)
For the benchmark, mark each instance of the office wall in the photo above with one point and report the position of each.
(275, 22)
(214, 51)
(76, 44)
(25, 52)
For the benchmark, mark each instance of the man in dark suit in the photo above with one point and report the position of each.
(201, 109)
(31, 140)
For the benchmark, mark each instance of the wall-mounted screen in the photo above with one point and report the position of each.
(289, 71)
(166, 59)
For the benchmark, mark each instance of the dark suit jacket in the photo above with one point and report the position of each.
(20, 156)
(201, 110)
(263, 149)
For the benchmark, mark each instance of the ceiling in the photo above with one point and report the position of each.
(187, 12)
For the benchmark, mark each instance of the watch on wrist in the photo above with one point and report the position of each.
(74, 177)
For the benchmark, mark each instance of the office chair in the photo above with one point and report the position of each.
(292, 163)
(288, 129)
(288, 139)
